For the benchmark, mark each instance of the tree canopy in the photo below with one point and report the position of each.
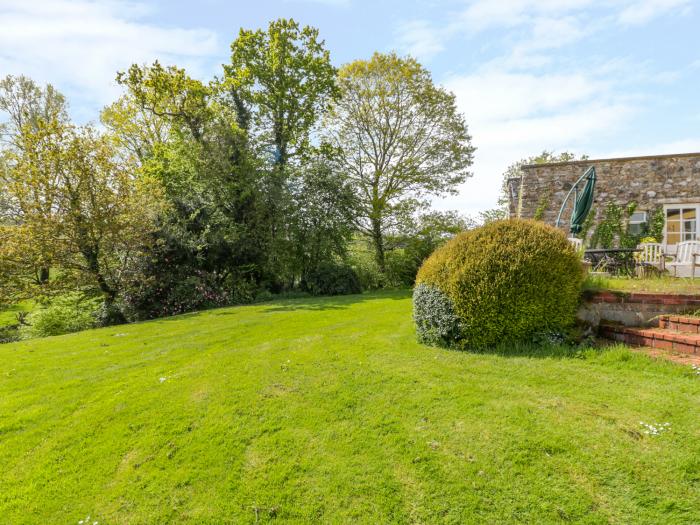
(399, 138)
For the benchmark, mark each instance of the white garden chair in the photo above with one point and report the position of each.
(651, 255)
(686, 259)
(577, 243)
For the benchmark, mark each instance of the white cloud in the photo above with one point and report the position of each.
(419, 39)
(487, 14)
(516, 115)
(642, 11)
(688, 145)
(522, 102)
(79, 45)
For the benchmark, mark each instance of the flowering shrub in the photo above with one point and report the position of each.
(177, 294)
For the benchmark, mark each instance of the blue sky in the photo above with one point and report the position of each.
(601, 77)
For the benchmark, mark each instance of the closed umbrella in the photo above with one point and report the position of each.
(583, 201)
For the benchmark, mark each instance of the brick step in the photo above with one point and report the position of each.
(680, 323)
(661, 338)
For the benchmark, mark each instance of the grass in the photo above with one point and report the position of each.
(8, 314)
(327, 410)
(655, 285)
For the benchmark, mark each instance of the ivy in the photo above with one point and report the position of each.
(613, 229)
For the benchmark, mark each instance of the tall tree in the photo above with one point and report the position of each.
(78, 210)
(280, 82)
(400, 139)
(283, 79)
(26, 108)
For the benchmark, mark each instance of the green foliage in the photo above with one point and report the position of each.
(64, 314)
(361, 258)
(507, 281)
(613, 228)
(542, 206)
(656, 224)
(283, 79)
(437, 323)
(421, 144)
(332, 279)
(321, 223)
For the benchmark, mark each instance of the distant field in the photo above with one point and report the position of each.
(327, 410)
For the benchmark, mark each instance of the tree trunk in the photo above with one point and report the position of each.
(378, 241)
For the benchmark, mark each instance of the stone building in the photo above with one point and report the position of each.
(660, 182)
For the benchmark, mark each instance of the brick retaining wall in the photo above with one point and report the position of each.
(632, 308)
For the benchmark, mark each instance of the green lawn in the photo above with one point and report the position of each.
(655, 285)
(327, 410)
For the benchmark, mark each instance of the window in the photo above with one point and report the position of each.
(637, 222)
(681, 223)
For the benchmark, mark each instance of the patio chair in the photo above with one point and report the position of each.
(686, 259)
(577, 243)
(651, 256)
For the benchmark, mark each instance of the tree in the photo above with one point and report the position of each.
(400, 139)
(78, 210)
(281, 81)
(215, 224)
(27, 107)
(322, 223)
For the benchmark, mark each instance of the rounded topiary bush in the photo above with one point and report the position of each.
(506, 281)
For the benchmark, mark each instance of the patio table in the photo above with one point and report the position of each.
(614, 260)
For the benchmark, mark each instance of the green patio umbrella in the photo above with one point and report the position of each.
(582, 201)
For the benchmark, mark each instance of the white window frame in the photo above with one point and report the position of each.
(645, 215)
(684, 206)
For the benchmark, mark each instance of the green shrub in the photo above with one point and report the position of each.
(332, 279)
(436, 321)
(64, 314)
(506, 281)
(9, 333)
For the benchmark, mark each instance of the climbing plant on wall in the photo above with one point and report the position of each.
(614, 230)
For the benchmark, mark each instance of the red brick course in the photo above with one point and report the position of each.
(674, 333)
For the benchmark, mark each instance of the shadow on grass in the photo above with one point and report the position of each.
(311, 303)
(540, 350)
(321, 303)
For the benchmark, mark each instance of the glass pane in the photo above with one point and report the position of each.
(688, 213)
(635, 229)
(638, 216)
(689, 226)
(673, 227)
(673, 214)
(673, 238)
(689, 236)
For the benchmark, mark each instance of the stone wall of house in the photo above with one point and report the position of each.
(647, 181)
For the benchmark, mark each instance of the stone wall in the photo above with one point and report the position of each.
(647, 181)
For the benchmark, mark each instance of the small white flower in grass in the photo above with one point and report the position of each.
(696, 369)
(654, 429)
(162, 379)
